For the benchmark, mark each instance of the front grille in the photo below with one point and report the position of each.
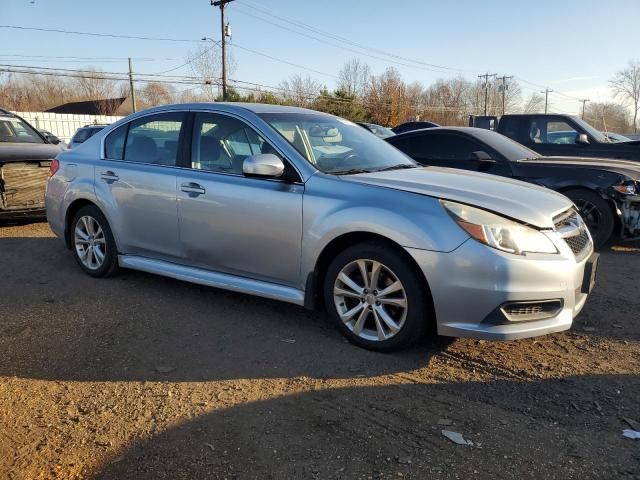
(573, 230)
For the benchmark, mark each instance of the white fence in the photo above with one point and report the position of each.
(63, 125)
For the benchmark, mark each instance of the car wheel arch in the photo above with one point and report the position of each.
(73, 208)
(315, 278)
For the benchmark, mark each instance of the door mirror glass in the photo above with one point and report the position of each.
(481, 156)
(263, 165)
(583, 139)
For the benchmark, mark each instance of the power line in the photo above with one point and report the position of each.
(284, 61)
(338, 45)
(333, 36)
(93, 34)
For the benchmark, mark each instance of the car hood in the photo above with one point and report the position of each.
(521, 201)
(629, 168)
(19, 152)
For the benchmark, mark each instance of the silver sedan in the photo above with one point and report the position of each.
(312, 209)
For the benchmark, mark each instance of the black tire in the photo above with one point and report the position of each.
(109, 265)
(418, 311)
(596, 212)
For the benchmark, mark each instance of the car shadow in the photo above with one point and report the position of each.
(58, 323)
(564, 428)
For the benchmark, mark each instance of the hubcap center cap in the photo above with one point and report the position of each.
(370, 299)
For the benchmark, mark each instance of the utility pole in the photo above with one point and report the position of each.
(133, 92)
(486, 88)
(584, 102)
(546, 99)
(223, 31)
(504, 79)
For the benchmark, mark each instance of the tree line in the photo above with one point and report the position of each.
(359, 95)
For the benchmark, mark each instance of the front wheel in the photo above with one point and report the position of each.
(596, 213)
(376, 297)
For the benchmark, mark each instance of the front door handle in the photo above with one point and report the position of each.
(109, 176)
(193, 189)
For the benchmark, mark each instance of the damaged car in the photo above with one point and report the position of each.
(25, 160)
(606, 191)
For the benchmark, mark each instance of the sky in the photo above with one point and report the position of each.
(571, 46)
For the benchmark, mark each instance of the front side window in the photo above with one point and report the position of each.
(334, 145)
(14, 130)
(221, 143)
(560, 132)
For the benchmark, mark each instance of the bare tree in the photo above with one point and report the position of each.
(301, 91)
(534, 104)
(608, 117)
(353, 77)
(155, 93)
(626, 87)
(206, 64)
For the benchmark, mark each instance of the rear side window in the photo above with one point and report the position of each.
(114, 143)
(153, 139)
(438, 147)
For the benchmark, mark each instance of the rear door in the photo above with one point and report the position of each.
(136, 181)
(231, 223)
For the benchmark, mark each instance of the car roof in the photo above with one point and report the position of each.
(467, 130)
(235, 107)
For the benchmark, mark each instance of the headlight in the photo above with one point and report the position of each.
(498, 232)
(628, 188)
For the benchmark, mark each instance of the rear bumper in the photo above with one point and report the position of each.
(470, 283)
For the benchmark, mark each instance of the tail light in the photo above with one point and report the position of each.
(55, 166)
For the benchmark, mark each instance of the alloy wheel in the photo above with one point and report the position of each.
(370, 299)
(90, 242)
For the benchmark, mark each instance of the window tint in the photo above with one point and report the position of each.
(114, 143)
(221, 143)
(81, 135)
(154, 139)
(442, 147)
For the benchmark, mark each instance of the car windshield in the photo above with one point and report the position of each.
(598, 135)
(510, 149)
(334, 145)
(14, 130)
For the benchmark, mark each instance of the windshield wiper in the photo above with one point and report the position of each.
(399, 166)
(351, 171)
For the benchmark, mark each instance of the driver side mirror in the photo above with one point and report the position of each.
(52, 139)
(481, 156)
(265, 165)
(582, 139)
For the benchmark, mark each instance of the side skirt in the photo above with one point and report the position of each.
(213, 279)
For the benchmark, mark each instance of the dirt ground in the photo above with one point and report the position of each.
(145, 377)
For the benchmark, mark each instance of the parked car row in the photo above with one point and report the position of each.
(308, 208)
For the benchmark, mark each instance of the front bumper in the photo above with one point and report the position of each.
(471, 282)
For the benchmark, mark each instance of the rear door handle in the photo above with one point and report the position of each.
(193, 189)
(109, 176)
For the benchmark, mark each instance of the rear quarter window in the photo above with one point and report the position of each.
(114, 143)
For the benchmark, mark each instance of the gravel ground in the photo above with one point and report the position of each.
(145, 377)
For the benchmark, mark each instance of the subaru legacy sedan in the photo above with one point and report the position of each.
(308, 208)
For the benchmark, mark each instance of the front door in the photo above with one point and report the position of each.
(137, 183)
(230, 223)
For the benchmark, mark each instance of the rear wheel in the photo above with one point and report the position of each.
(92, 242)
(376, 297)
(596, 213)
